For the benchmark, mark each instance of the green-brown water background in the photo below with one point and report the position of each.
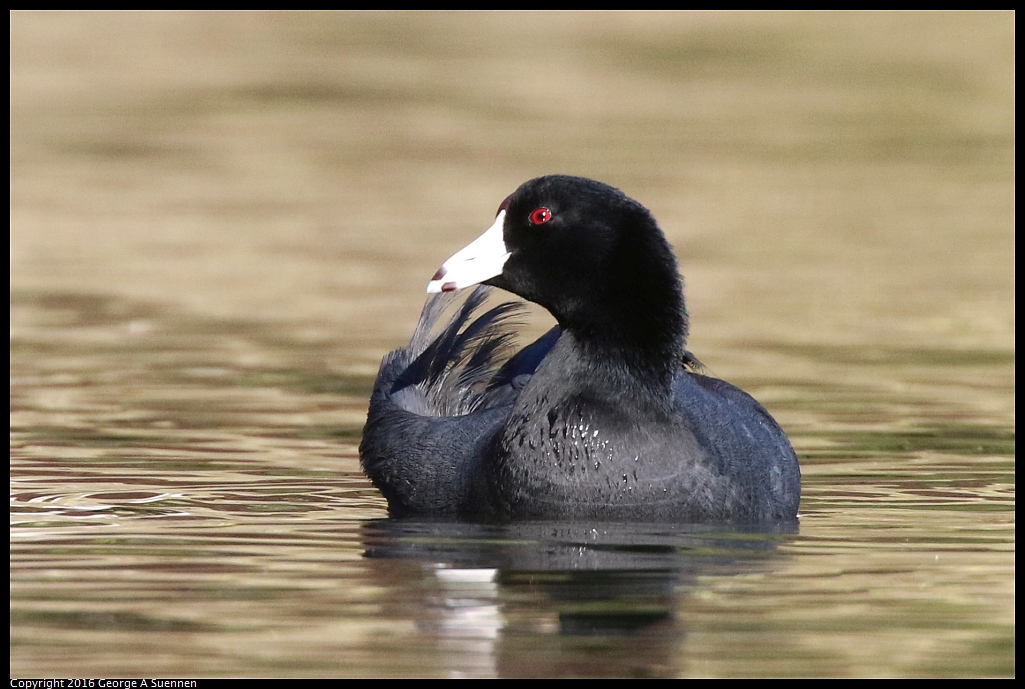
(220, 222)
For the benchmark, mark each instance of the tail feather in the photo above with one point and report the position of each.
(446, 369)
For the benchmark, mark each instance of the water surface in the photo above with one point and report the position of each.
(221, 222)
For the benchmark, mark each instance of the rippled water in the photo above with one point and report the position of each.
(220, 222)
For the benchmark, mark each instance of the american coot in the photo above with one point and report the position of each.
(599, 419)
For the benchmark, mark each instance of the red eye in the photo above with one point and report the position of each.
(540, 215)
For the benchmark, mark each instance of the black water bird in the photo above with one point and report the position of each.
(602, 418)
